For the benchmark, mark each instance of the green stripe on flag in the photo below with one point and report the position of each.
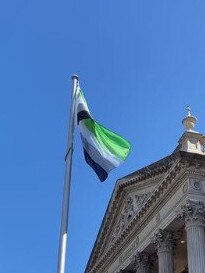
(80, 94)
(108, 139)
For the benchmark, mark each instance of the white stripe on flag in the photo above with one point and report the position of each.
(93, 141)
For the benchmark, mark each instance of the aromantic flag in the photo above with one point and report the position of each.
(104, 150)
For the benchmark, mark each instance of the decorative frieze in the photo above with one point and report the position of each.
(131, 206)
(142, 198)
(125, 217)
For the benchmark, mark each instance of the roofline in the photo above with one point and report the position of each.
(117, 184)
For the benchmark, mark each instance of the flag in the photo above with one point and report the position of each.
(103, 149)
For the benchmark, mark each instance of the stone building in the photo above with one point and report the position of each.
(155, 218)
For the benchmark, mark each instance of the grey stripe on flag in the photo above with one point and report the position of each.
(96, 156)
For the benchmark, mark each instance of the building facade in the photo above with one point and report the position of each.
(155, 220)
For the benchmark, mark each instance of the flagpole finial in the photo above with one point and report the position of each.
(75, 77)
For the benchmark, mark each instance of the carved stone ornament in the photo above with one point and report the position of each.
(193, 213)
(131, 207)
(142, 198)
(197, 185)
(164, 240)
(142, 262)
(125, 217)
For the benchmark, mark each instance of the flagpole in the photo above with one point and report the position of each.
(67, 182)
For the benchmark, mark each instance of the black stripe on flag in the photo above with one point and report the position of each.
(101, 173)
(82, 115)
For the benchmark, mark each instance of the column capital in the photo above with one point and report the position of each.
(142, 262)
(193, 213)
(164, 240)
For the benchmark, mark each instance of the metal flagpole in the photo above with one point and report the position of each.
(66, 192)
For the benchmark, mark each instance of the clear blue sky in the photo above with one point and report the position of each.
(140, 63)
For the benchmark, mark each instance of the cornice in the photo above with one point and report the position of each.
(147, 172)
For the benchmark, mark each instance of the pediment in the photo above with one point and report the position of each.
(133, 201)
(129, 196)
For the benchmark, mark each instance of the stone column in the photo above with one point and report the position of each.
(164, 243)
(142, 263)
(193, 213)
